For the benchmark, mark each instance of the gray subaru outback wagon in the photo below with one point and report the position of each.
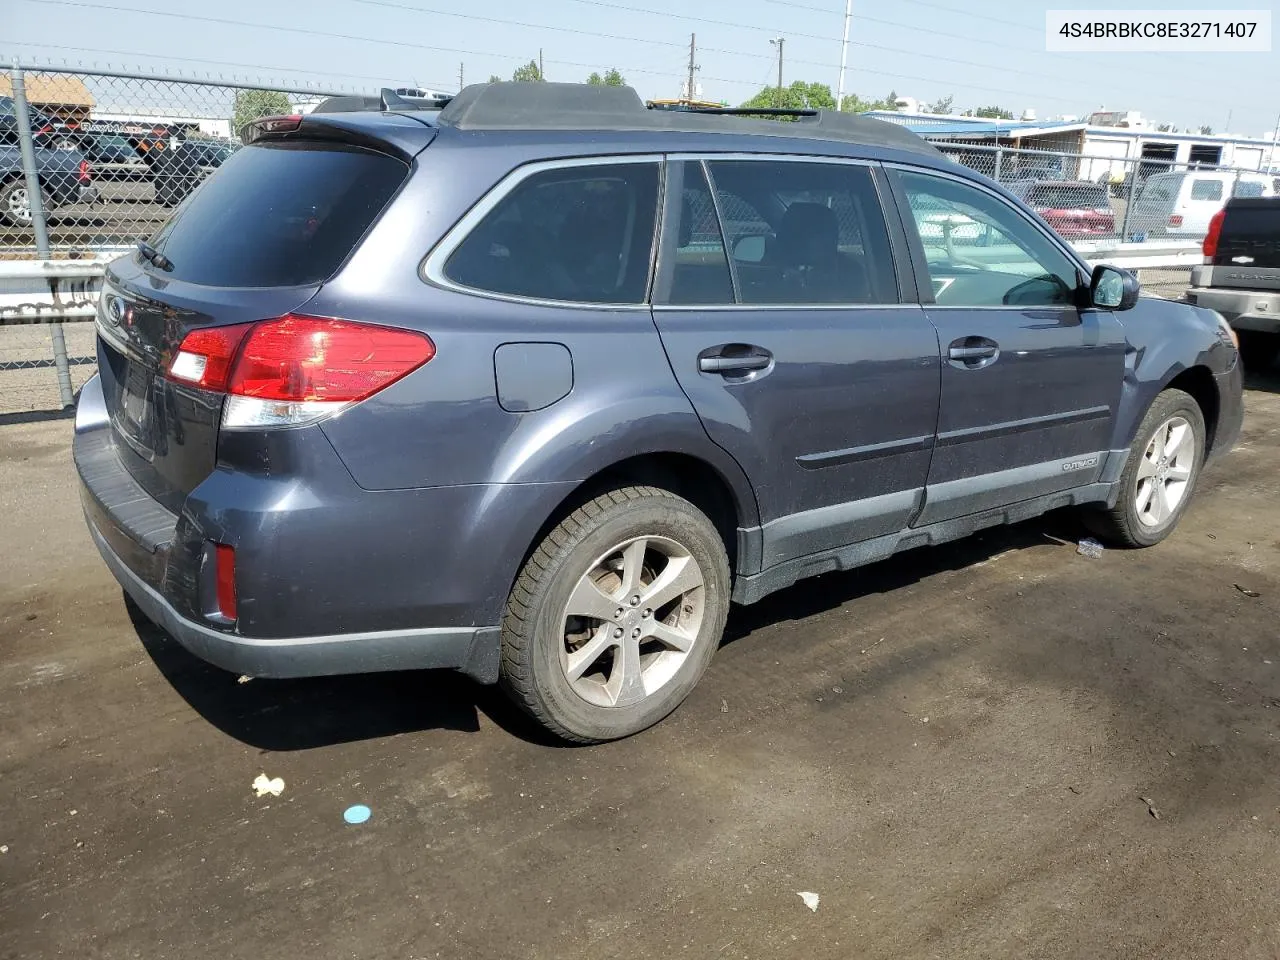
(535, 385)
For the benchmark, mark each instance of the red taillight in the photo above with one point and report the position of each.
(1210, 247)
(311, 358)
(224, 561)
(204, 359)
(86, 172)
(1175, 220)
(47, 128)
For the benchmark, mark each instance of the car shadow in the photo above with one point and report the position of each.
(1267, 378)
(288, 715)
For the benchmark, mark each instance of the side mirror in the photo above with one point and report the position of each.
(749, 249)
(1111, 288)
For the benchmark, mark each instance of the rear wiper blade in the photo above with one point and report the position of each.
(154, 256)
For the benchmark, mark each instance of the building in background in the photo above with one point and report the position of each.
(61, 96)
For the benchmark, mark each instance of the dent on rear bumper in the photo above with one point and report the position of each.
(473, 650)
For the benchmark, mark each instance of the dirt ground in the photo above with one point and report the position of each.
(951, 749)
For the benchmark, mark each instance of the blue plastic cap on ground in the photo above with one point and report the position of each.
(357, 814)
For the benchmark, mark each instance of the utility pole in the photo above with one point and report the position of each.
(541, 75)
(461, 67)
(1275, 136)
(693, 66)
(779, 41)
(844, 53)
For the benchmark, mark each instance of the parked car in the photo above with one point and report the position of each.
(1181, 204)
(65, 178)
(480, 389)
(1076, 209)
(1240, 278)
(46, 131)
(112, 157)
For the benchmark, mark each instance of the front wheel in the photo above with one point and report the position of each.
(616, 615)
(1160, 477)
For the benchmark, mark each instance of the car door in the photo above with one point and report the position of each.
(780, 310)
(1030, 382)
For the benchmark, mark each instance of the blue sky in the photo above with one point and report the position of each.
(982, 52)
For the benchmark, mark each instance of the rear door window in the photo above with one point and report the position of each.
(1247, 188)
(577, 233)
(804, 233)
(279, 215)
(1206, 189)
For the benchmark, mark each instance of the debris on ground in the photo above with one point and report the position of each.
(1076, 790)
(810, 900)
(876, 644)
(4, 848)
(1247, 592)
(1151, 807)
(263, 785)
(357, 813)
(724, 705)
(1091, 548)
(243, 678)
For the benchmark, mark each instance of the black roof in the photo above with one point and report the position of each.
(579, 106)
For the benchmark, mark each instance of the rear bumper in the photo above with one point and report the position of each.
(413, 591)
(468, 649)
(1243, 309)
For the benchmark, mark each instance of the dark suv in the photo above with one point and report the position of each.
(534, 386)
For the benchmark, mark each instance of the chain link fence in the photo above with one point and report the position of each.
(93, 162)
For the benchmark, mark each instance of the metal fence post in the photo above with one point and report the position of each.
(999, 159)
(35, 200)
(1128, 203)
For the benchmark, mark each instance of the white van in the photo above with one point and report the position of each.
(1182, 204)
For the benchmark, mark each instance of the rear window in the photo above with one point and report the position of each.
(279, 215)
(1069, 197)
(1206, 189)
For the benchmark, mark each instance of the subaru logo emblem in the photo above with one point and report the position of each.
(115, 310)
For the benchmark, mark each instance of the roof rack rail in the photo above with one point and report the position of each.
(579, 106)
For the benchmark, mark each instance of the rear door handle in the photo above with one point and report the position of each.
(734, 359)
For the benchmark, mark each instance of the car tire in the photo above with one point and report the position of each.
(15, 209)
(1258, 350)
(621, 662)
(1160, 476)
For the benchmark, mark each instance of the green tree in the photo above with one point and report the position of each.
(1207, 131)
(494, 78)
(1164, 127)
(853, 103)
(595, 80)
(614, 79)
(249, 105)
(529, 72)
(940, 106)
(799, 96)
(993, 113)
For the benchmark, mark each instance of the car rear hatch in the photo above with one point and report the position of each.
(254, 243)
(1248, 248)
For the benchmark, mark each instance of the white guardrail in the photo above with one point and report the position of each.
(38, 291)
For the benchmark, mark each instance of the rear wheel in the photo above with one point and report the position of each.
(1259, 350)
(1160, 477)
(616, 615)
(15, 203)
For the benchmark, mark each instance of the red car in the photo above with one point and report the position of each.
(1074, 208)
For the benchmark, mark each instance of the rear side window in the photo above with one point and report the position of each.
(1247, 188)
(1206, 189)
(805, 233)
(579, 234)
(279, 215)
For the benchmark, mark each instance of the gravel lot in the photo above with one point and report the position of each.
(950, 748)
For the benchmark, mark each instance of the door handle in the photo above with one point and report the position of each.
(734, 359)
(973, 353)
